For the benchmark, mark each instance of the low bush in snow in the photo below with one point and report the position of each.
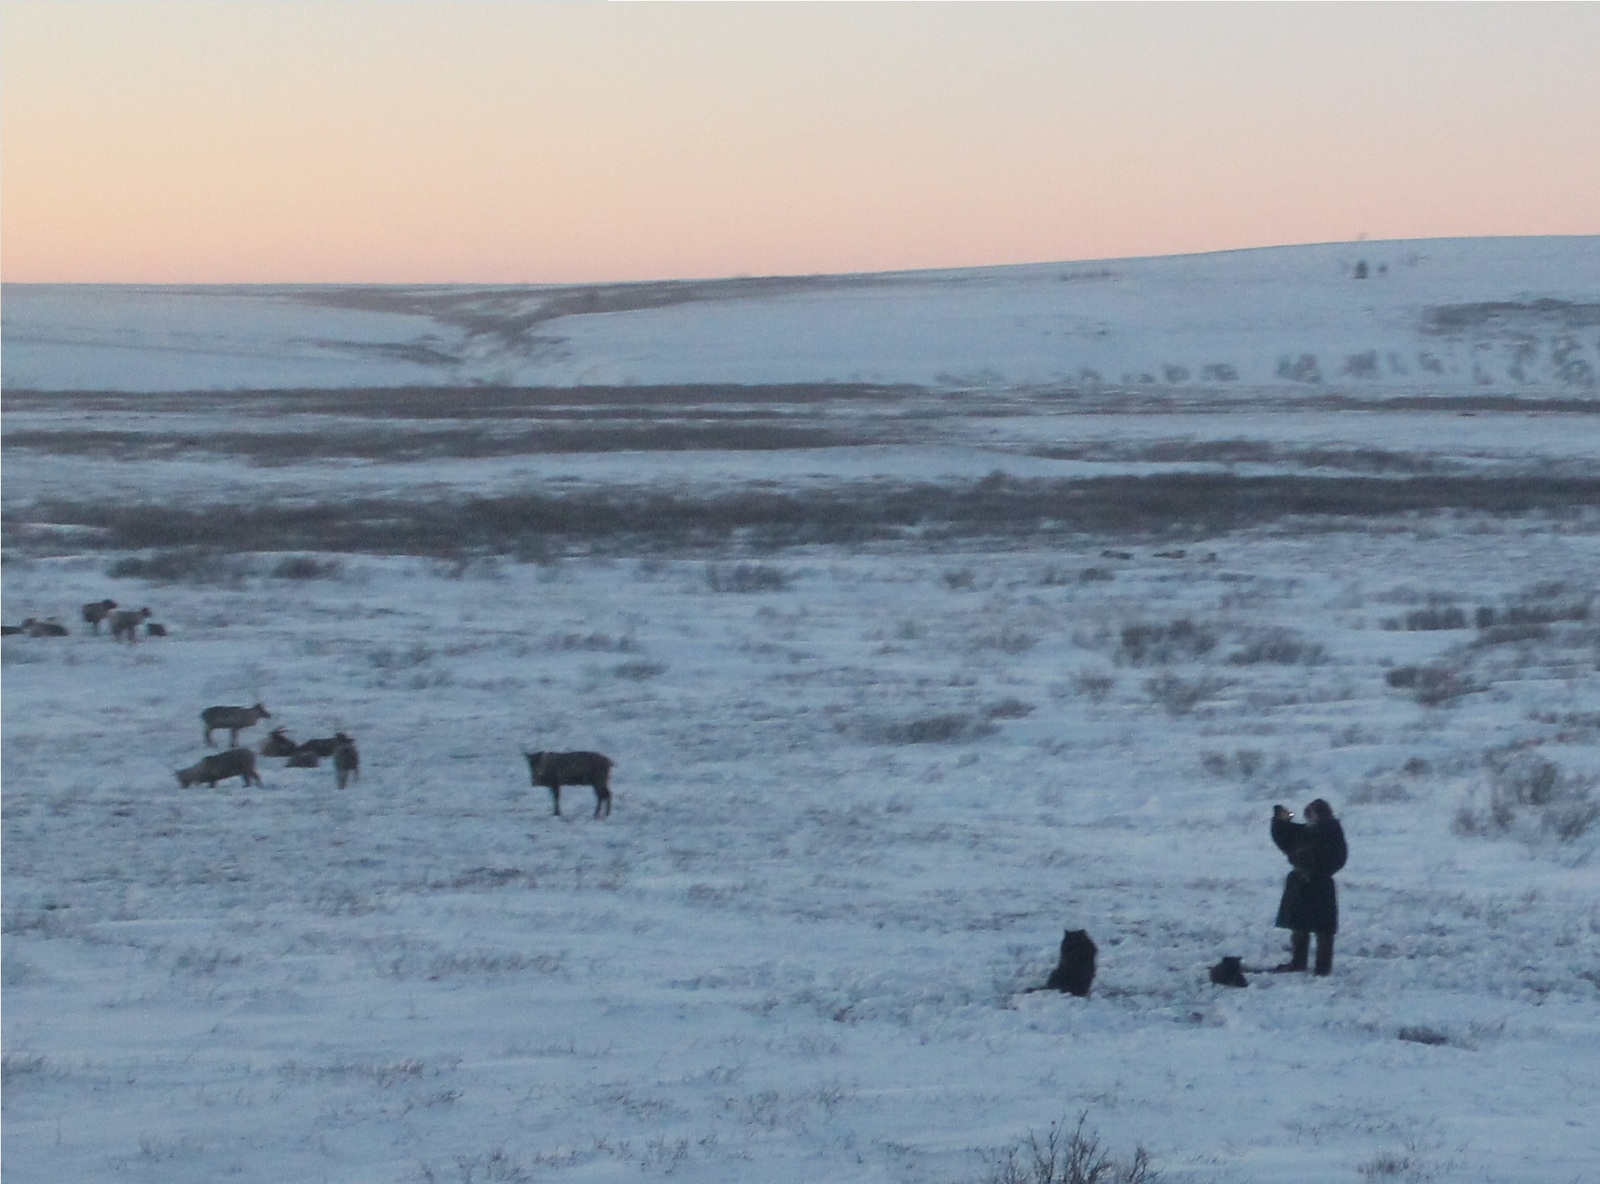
(1179, 695)
(1150, 644)
(746, 577)
(1540, 604)
(1408, 1166)
(1510, 634)
(1076, 1157)
(1009, 708)
(1431, 686)
(1278, 646)
(1095, 685)
(1531, 796)
(1245, 763)
(306, 567)
(597, 642)
(1431, 618)
(185, 565)
(951, 727)
(1008, 639)
(1378, 791)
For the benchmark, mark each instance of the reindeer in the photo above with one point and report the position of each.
(325, 746)
(236, 762)
(555, 769)
(278, 743)
(49, 628)
(346, 762)
(235, 719)
(97, 611)
(125, 624)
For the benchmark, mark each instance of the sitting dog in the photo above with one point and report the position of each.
(1229, 973)
(1074, 974)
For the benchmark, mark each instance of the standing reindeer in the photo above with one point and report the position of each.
(97, 611)
(555, 769)
(125, 623)
(346, 762)
(235, 719)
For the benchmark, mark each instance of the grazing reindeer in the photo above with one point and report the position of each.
(235, 719)
(125, 623)
(155, 629)
(346, 762)
(51, 628)
(236, 762)
(555, 769)
(278, 743)
(97, 611)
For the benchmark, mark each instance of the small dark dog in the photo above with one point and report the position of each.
(1074, 974)
(1229, 973)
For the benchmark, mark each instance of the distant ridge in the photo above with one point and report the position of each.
(1438, 317)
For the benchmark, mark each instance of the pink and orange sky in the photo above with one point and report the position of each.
(466, 141)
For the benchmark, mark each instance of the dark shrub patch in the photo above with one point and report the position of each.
(1151, 644)
(746, 577)
(1282, 647)
(184, 565)
(306, 567)
(1194, 503)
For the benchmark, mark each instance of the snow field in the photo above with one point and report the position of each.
(797, 949)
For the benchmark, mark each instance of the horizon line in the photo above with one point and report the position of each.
(757, 277)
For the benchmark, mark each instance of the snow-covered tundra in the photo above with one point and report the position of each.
(899, 683)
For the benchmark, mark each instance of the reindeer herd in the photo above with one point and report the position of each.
(551, 770)
(241, 762)
(123, 623)
(340, 748)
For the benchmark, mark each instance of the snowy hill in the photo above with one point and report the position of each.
(1427, 316)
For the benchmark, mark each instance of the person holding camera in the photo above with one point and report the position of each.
(1310, 904)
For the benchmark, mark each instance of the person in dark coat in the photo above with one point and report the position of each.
(1310, 904)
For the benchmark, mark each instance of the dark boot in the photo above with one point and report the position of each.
(1324, 953)
(1299, 949)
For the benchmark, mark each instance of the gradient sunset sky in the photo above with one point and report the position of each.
(461, 141)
